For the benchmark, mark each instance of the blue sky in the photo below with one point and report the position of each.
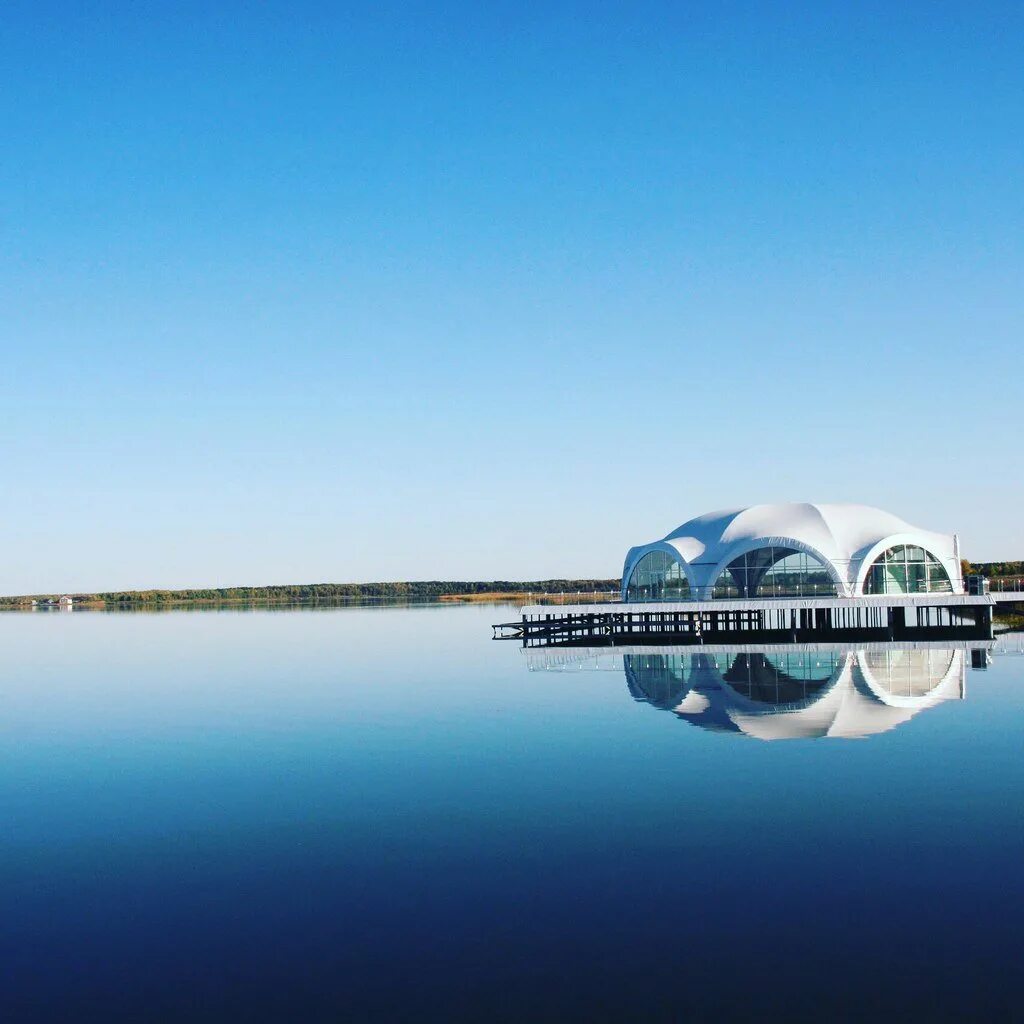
(301, 292)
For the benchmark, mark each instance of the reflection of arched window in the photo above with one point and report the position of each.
(906, 569)
(788, 677)
(658, 577)
(658, 679)
(775, 572)
(908, 673)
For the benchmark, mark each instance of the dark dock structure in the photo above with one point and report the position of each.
(768, 620)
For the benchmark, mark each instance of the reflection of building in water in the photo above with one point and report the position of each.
(797, 693)
(782, 691)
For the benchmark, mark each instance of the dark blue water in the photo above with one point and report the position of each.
(384, 815)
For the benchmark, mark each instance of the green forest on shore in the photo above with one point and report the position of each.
(312, 593)
(320, 592)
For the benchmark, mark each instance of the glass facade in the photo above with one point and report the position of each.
(775, 572)
(658, 577)
(907, 570)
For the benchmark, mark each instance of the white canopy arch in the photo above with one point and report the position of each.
(845, 538)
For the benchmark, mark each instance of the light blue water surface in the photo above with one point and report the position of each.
(383, 814)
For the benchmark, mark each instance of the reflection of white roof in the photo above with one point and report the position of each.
(845, 536)
(855, 704)
(871, 688)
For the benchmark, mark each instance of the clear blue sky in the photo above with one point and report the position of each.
(302, 292)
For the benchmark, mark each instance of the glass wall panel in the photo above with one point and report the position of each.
(658, 577)
(907, 570)
(775, 572)
(896, 578)
(917, 576)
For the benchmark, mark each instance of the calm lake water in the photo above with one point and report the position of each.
(382, 814)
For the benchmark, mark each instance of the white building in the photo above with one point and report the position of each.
(793, 550)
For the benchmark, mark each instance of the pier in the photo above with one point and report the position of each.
(749, 620)
(1008, 597)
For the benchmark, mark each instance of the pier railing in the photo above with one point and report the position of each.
(1001, 584)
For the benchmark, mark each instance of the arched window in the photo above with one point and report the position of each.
(658, 577)
(775, 572)
(906, 569)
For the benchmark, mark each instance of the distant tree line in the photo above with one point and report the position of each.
(313, 592)
(994, 569)
(399, 591)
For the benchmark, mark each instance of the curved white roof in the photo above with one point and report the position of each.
(846, 537)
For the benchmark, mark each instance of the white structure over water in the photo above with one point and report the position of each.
(793, 550)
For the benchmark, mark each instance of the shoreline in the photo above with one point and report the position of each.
(328, 594)
(549, 591)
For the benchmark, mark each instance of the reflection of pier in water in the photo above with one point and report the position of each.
(782, 692)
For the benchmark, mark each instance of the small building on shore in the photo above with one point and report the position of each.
(793, 550)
